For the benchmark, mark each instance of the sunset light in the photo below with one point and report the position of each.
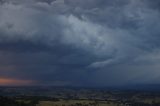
(12, 82)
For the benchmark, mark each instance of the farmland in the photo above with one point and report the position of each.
(52, 96)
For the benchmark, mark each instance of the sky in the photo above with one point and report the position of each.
(79, 42)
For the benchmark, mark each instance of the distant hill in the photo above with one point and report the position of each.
(142, 87)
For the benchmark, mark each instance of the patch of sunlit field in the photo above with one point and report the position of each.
(75, 103)
(151, 100)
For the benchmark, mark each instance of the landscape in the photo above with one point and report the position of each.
(79, 52)
(77, 96)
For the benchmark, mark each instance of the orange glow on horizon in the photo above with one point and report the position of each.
(14, 82)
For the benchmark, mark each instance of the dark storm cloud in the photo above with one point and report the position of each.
(69, 42)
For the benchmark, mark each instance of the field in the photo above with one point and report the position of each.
(27, 96)
(75, 103)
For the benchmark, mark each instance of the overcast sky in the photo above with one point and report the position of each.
(79, 42)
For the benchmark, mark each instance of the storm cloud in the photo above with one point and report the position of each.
(80, 42)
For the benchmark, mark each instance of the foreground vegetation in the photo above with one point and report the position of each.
(40, 101)
(6, 101)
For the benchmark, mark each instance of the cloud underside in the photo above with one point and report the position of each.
(80, 42)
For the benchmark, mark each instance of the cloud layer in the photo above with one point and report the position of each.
(80, 42)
